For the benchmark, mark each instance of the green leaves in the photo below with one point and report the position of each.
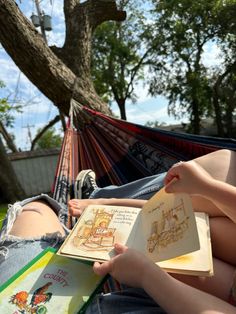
(7, 109)
(50, 139)
(119, 56)
(188, 26)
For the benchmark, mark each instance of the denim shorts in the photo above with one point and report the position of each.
(16, 252)
(143, 188)
(128, 301)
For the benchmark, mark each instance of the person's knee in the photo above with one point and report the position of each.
(36, 219)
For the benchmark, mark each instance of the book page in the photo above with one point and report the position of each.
(198, 262)
(169, 226)
(98, 229)
(136, 239)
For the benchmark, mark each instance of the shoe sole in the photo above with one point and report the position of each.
(80, 181)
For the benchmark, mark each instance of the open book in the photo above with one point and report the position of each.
(165, 229)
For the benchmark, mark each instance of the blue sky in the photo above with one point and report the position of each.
(38, 110)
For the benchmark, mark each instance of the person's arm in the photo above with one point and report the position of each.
(134, 269)
(191, 178)
(176, 297)
(77, 206)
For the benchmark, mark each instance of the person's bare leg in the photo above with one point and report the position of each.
(221, 165)
(223, 235)
(218, 285)
(36, 219)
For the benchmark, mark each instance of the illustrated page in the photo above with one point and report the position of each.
(169, 226)
(198, 261)
(98, 229)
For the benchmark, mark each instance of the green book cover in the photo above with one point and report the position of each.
(50, 284)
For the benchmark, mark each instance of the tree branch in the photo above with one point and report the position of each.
(8, 138)
(42, 67)
(44, 129)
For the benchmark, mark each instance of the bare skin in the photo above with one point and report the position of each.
(36, 219)
(141, 272)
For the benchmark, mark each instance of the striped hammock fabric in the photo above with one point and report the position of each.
(120, 152)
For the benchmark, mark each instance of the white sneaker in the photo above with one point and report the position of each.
(85, 184)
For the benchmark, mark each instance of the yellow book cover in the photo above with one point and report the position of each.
(49, 284)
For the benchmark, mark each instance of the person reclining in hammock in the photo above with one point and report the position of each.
(33, 224)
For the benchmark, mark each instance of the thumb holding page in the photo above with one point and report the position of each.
(172, 186)
(104, 268)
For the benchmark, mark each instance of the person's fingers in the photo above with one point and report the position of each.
(169, 177)
(103, 268)
(120, 248)
(73, 201)
(172, 173)
(171, 186)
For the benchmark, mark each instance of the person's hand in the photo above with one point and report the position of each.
(128, 266)
(76, 206)
(187, 177)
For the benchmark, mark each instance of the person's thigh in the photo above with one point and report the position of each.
(220, 164)
(34, 217)
(23, 234)
(223, 235)
(37, 218)
(219, 285)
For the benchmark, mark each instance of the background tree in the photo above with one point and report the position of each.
(119, 56)
(223, 86)
(6, 120)
(13, 190)
(50, 139)
(184, 28)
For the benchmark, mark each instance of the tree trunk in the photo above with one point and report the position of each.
(121, 104)
(218, 114)
(59, 73)
(10, 186)
(217, 110)
(10, 143)
(195, 119)
(229, 114)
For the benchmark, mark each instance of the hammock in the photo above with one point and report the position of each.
(120, 152)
